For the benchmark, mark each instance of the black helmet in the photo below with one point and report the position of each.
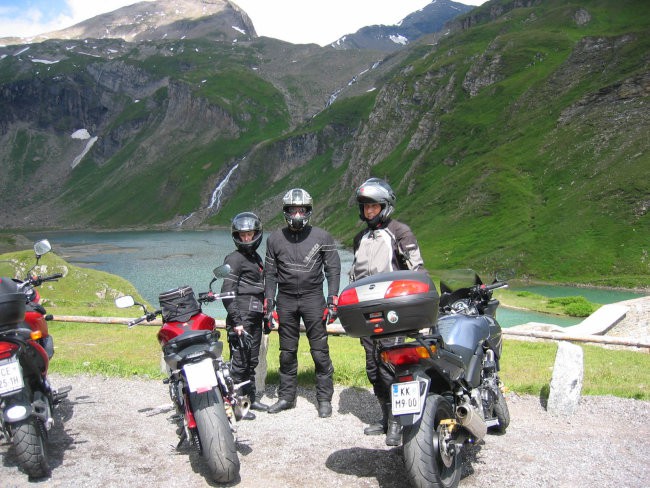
(376, 190)
(246, 221)
(297, 197)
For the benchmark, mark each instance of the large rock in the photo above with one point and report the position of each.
(566, 383)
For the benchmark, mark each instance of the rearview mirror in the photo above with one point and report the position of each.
(42, 247)
(124, 302)
(221, 271)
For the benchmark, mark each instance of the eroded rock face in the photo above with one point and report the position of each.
(582, 17)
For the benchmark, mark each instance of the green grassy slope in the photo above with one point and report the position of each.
(543, 169)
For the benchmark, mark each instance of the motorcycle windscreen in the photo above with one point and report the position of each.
(200, 376)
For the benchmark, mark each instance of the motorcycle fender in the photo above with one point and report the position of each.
(413, 418)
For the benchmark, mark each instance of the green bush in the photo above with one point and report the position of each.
(575, 306)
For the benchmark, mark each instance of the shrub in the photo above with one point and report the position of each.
(577, 306)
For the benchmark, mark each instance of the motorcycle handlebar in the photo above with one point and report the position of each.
(148, 317)
(211, 297)
(39, 280)
(498, 284)
(53, 277)
(131, 323)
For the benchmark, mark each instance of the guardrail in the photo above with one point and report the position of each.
(337, 329)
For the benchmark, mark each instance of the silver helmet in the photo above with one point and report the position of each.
(376, 190)
(243, 222)
(297, 197)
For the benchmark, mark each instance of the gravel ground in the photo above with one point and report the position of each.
(114, 432)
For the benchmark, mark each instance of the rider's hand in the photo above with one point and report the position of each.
(331, 310)
(269, 305)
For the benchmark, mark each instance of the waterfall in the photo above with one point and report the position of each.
(185, 219)
(216, 194)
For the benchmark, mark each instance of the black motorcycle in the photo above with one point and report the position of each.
(444, 351)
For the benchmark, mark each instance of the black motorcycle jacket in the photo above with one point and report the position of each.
(298, 262)
(387, 248)
(246, 280)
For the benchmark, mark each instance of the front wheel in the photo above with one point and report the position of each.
(215, 436)
(30, 448)
(432, 461)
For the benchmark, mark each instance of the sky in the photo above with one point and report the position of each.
(296, 21)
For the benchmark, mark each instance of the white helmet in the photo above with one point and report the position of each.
(297, 197)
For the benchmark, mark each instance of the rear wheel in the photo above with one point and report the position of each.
(431, 461)
(30, 447)
(501, 412)
(215, 436)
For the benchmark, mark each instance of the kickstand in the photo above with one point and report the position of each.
(182, 439)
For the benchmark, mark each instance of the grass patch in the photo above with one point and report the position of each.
(526, 367)
(574, 306)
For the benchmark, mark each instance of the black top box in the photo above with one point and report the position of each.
(12, 303)
(389, 304)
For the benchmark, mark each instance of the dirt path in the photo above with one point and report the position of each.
(114, 432)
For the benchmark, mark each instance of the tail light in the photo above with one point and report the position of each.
(398, 288)
(404, 356)
(403, 288)
(348, 297)
(7, 349)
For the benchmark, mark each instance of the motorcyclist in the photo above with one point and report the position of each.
(385, 245)
(298, 259)
(245, 311)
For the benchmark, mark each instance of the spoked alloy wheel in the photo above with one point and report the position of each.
(30, 447)
(215, 436)
(431, 462)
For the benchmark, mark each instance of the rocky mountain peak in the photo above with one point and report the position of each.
(160, 19)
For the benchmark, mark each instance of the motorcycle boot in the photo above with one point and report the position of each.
(393, 431)
(257, 405)
(324, 409)
(280, 405)
(379, 428)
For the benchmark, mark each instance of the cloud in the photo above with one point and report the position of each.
(35, 20)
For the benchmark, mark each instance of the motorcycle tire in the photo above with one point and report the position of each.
(30, 448)
(215, 436)
(427, 466)
(501, 412)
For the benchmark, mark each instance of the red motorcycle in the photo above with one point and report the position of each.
(206, 398)
(26, 397)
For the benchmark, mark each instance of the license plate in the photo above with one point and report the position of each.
(11, 376)
(200, 376)
(406, 398)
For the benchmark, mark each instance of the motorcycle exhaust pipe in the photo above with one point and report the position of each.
(471, 421)
(241, 408)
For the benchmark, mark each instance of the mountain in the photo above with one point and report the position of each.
(515, 138)
(428, 20)
(149, 21)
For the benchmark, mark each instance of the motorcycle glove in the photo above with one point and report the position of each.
(270, 325)
(269, 315)
(331, 310)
